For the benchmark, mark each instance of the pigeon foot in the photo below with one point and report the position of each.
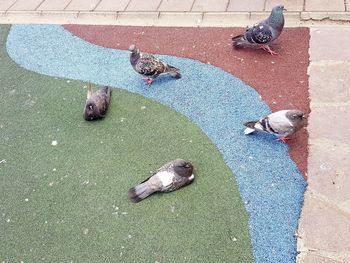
(268, 49)
(283, 139)
(148, 81)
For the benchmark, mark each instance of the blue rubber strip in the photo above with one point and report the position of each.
(270, 184)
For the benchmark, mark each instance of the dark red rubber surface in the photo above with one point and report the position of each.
(281, 80)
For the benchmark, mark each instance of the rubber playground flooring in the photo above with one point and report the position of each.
(64, 181)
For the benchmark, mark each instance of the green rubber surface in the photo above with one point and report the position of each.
(68, 202)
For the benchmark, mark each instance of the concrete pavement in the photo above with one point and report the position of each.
(324, 230)
(172, 12)
(324, 227)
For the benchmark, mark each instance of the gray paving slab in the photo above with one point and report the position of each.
(112, 5)
(247, 5)
(23, 5)
(212, 5)
(82, 5)
(330, 44)
(325, 5)
(290, 5)
(324, 226)
(54, 5)
(176, 5)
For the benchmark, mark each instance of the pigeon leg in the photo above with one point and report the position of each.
(283, 139)
(148, 81)
(268, 49)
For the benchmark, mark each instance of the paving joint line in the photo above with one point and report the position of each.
(193, 1)
(160, 3)
(265, 5)
(11, 6)
(322, 198)
(36, 8)
(69, 2)
(126, 7)
(332, 255)
(227, 5)
(329, 62)
(297, 19)
(346, 5)
(99, 2)
(318, 104)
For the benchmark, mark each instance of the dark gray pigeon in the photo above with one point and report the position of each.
(169, 177)
(282, 123)
(264, 32)
(97, 103)
(149, 66)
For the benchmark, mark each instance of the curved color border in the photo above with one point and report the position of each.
(270, 183)
(282, 80)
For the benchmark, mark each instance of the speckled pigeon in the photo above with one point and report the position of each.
(281, 123)
(169, 177)
(264, 32)
(97, 103)
(149, 66)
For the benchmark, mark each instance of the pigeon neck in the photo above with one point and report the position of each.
(134, 57)
(276, 19)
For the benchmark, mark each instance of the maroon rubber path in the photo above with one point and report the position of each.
(281, 79)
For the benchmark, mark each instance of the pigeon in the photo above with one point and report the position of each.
(97, 103)
(149, 66)
(282, 123)
(263, 32)
(169, 177)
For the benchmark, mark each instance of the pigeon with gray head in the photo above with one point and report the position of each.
(149, 66)
(264, 32)
(169, 177)
(281, 123)
(97, 103)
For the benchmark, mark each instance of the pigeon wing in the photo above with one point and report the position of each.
(259, 34)
(280, 123)
(148, 65)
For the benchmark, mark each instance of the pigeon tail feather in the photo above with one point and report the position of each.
(250, 127)
(90, 91)
(248, 131)
(250, 124)
(239, 41)
(108, 91)
(174, 72)
(140, 192)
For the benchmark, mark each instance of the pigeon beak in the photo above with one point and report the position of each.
(284, 9)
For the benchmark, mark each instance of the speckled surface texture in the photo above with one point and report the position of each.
(281, 80)
(269, 181)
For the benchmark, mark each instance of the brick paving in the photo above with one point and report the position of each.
(54, 5)
(189, 5)
(324, 230)
(123, 12)
(23, 5)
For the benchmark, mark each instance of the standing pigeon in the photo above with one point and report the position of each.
(281, 123)
(264, 32)
(149, 66)
(169, 177)
(96, 104)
